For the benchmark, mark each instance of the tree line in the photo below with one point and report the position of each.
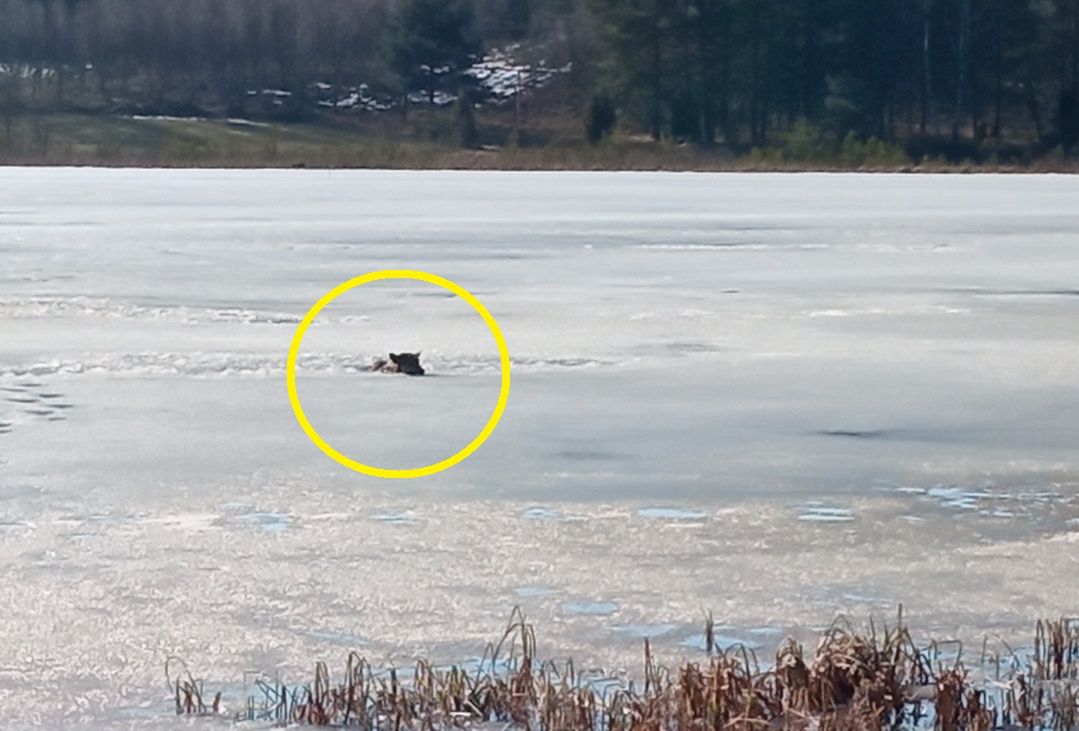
(741, 73)
(959, 69)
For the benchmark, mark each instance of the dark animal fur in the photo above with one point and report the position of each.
(407, 363)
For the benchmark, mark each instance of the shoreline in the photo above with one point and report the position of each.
(934, 170)
(110, 141)
(456, 162)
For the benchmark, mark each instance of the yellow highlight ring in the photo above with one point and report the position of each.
(294, 352)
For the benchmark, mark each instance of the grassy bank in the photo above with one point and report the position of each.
(871, 679)
(128, 141)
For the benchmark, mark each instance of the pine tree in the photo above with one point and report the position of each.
(639, 35)
(433, 42)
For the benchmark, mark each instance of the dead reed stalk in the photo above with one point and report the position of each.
(855, 681)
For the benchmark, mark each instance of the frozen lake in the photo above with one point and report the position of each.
(775, 396)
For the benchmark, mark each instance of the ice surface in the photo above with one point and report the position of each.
(600, 609)
(699, 361)
(670, 513)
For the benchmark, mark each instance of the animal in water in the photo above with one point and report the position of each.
(407, 363)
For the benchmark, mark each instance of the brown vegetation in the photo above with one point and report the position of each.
(872, 679)
(92, 140)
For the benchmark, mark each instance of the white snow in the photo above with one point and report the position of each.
(164, 118)
(240, 122)
(360, 97)
(440, 98)
(26, 71)
(504, 75)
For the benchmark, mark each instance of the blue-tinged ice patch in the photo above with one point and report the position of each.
(80, 535)
(146, 712)
(541, 513)
(473, 665)
(268, 522)
(643, 630)
(343, 639)
(593, 609)
(601, 684)
(844, 596)
(668, 513)
(534, 592)
(15, 528)
(722, 641)
(957, 497)
(816, 513)
(395, 517)
(100, 518)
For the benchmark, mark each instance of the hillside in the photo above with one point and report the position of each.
(691, 84)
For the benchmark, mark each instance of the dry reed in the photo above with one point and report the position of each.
(866, 681)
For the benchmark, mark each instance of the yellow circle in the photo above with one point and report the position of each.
(294, 351)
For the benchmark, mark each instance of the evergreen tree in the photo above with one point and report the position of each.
(601, 119)
(433, 42)
(953, 78)
(467, 133)
(639, 35)
(11, 106)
